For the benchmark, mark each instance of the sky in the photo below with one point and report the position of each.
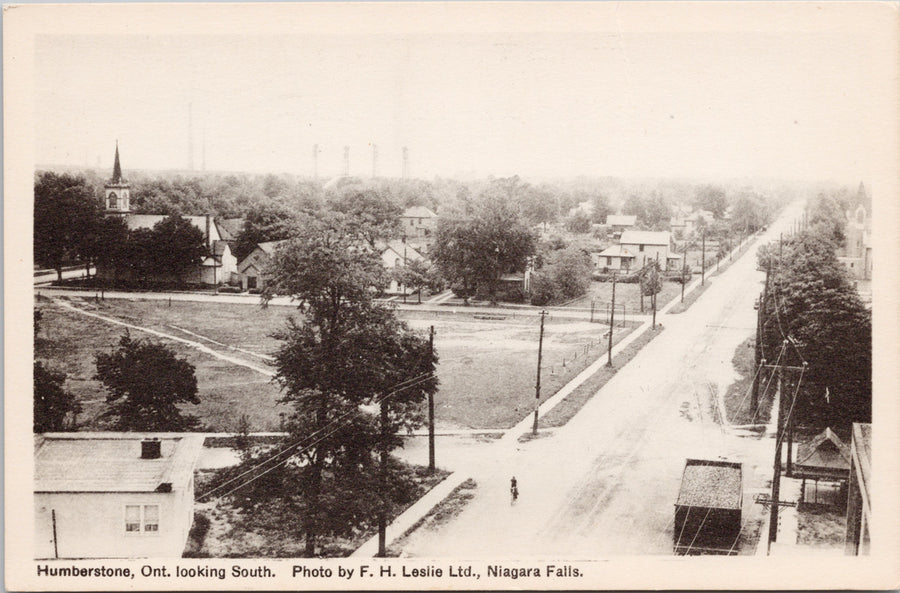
(790, 102)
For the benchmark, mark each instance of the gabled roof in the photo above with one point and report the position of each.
(397, 247)
(646, 238)
(230, 228)
(117, 170)
(269, 247)
(826, 449)
(418, 212)
(615, 251)
(621, 220)
(111, 461)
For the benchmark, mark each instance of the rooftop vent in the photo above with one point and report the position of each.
(151, 449)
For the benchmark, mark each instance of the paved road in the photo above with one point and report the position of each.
(605, 483)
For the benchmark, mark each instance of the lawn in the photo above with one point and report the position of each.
(487, 368)
(738, 404)
(627, 296)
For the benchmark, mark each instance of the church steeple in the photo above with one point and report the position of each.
(118, 190)
(117, 168)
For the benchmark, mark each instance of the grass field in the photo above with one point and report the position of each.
(628, 295)
(738, 404)
(487, 368)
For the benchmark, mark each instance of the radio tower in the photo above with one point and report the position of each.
(315, 161)
(405, 171)
(346, 161)
(190, 136)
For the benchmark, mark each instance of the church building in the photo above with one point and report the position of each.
(218, 267)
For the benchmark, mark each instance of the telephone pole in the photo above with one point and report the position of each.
(760, 323)
(430, 406)
(612, 315)
(537, 385)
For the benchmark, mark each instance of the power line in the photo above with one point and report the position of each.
(396, 388)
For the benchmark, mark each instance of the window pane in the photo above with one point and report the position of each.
(132, 517)
(151, 517)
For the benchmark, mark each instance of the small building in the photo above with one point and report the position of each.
(859, 506)
(395, 254)
(419, 224)
(252, 269)
(113, 495)
(619, 223)
(651, 245)
(614, 257)
(824, 458)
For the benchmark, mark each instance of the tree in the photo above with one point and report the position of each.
(55, 409)
(65, 213)
(265, 221)
(347, 352)
(634, 206)
(108, 245)
(480, 249)
(651, 284)
(376, 216)
(414, 275)
(578, 222)
(146, 382)
(814, 315)
(179, 246)
(657, 213)
(711, 198)
(601, 208)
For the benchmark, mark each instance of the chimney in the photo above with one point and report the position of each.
(151, 449)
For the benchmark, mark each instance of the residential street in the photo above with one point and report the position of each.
(606, 483)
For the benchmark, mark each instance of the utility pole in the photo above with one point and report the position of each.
(382, 511)
(537, 385)
(703, 258)
(760, 323)
(776, 470)
(592, 310)
(612, 315)
(430, 406)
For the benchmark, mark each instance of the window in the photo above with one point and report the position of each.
(608, 261)
(640, 247)
(141, 518)
(113, 200)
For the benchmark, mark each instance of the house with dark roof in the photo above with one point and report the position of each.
(614, 257)
(113, 495)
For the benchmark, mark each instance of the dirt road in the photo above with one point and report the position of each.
(605, 484)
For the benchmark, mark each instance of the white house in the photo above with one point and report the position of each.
(395, 254)
(418, 224)
(113, 495)
(651, 245)
(614, 257)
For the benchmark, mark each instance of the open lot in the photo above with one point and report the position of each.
(627, 295)
(487, 366)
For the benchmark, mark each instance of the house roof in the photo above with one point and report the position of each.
(825, 450)
(621, 220)
(269, 247)
(645, 238)
(397, 247)
(418, 212)
(615, 251)
(230, 228)
(111, 461)
(117, 170)
(711, 484)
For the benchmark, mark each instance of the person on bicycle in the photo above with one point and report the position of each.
(514, 488)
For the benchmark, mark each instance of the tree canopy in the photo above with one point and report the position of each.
(146, 382)
(66, 215)
(55, 408)
(479, 249)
